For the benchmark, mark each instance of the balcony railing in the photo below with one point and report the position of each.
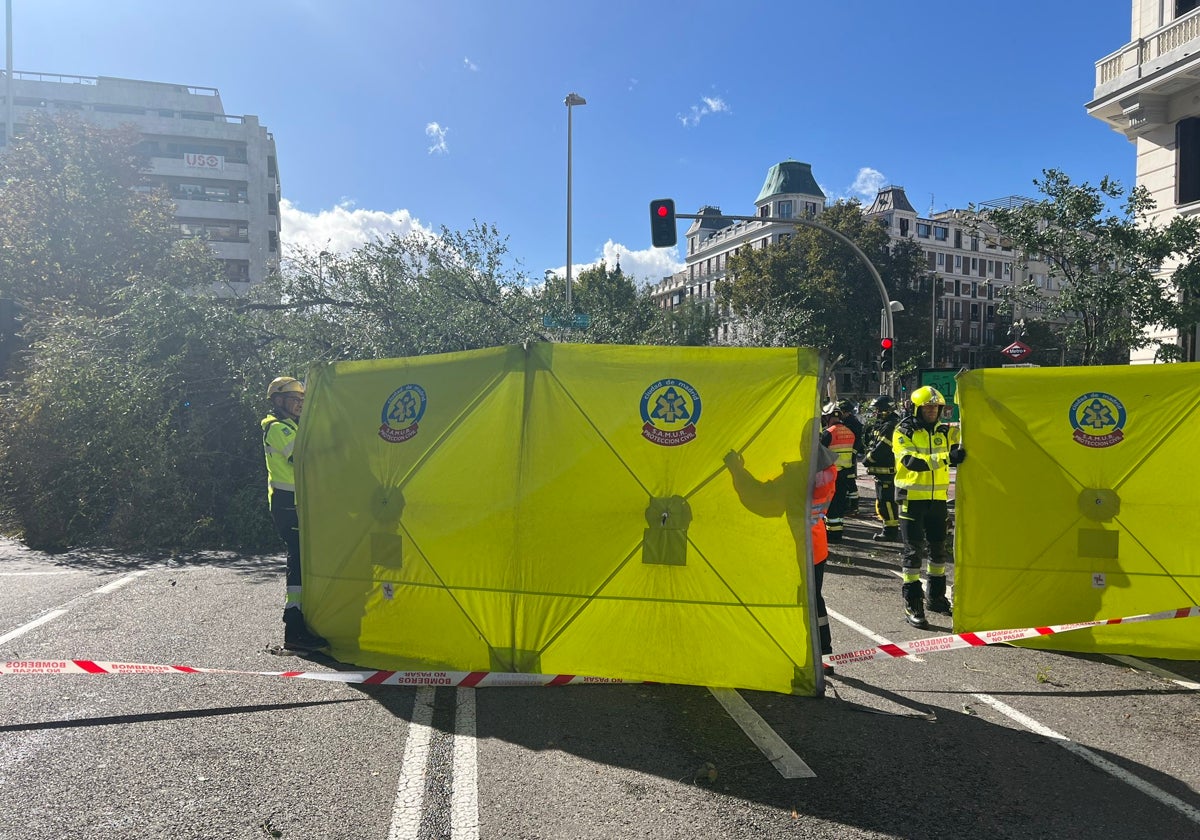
(1144, 50)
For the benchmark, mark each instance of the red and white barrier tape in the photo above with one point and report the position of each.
(462, 679)
(991, 637)
(483, 679)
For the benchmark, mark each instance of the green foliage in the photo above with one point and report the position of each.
(620, 313)
(1110, 264)
(403, 296)
(129, 430)
(73, 226)
(812, 290)
(125, 419)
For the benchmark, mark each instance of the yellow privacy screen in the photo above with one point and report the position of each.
(1076, 503)
(558, 509)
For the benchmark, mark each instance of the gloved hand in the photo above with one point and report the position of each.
(957, 455)
(914, 463)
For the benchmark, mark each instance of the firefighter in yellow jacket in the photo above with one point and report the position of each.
(279, 427)
(925, 449)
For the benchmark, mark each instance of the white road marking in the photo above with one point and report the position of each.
(61, 611)
(464, 802)
(876, 638)
(27, 574)
(1154, 669)
(1092, 758)
(25, 628)
(118, 583)
(777, 751)
(410, 788)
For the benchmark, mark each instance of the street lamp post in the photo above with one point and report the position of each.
(571, 100)
(933, 284)
(8, 75)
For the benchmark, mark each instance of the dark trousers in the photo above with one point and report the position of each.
(922, 525)
(822, 615)
(885, 500)
(287, 523)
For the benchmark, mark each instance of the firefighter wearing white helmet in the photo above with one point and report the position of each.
(840, 440)
(925, 449)
(280, 428)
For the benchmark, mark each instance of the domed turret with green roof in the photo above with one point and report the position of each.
(789, 178)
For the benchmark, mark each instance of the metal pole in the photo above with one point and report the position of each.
(8, 76)
(568, 203)
(933, 281)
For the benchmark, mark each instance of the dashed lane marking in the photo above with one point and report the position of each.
(61, 611)
(410, 788)
(1133, 662)
(464, 802)
(1092, 758)
(858, 628)
(777, 751)
(25, 628)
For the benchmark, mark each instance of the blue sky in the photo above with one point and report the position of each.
(393, 113)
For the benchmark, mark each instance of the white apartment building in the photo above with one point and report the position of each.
(789, 190)
(1149, 90)
(220, 169)
(970, 265)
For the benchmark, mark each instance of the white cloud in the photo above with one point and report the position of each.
(343, 228)
(437, 134)
(867, 182)
(710, 105)
(649, 265)
(470, 65)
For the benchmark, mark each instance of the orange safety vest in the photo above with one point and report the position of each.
(824, 486)
(841, 441)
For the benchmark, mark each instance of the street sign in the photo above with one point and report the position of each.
(1017, 351)
(579, 321)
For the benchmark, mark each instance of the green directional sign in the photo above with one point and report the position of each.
(579, 321)
(942, 379)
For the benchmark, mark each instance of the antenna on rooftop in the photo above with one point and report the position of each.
(931, 211)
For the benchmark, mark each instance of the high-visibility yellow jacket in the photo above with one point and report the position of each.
(914, 442)
(279, 438)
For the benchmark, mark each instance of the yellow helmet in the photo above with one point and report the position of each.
(284, 385)
(927, 395)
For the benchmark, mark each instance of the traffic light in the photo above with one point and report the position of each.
(885, 353)
(662, 223)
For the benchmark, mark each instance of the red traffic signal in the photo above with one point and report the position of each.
(885, 352)
(662, 223)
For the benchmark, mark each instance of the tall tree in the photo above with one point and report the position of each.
(813, 290)
(402, 296)
(1109, 265)
(116, 419)
(76, 223)
(618, 312)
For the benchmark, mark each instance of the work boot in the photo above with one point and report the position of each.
(914, 611)
(297, 635)
(891, 533)
(936, 601)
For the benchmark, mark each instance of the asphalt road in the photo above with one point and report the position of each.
(995, 742)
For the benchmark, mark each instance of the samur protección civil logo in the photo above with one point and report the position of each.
(401, 414)
(1098, 419)
(670, 411)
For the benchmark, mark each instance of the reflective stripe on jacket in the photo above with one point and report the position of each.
(824, 486)
(279, 439)
(931, 445)
(841, 440)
